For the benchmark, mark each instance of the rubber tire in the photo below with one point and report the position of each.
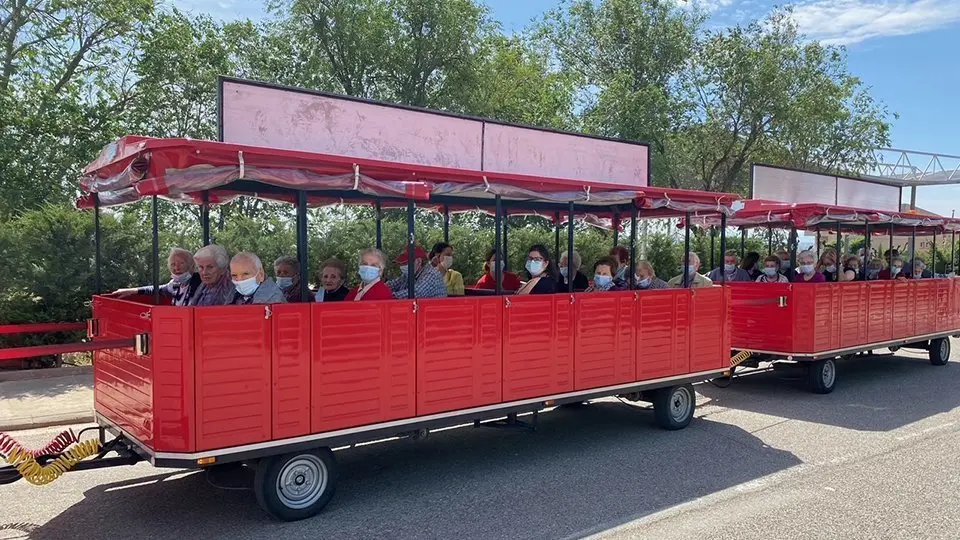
(663, 400)
(265, 482)
(815, 376)
(940, 351)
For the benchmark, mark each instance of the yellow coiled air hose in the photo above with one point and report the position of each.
(39, 475)
(740, 358)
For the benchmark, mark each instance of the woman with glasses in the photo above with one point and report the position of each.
(542, 271)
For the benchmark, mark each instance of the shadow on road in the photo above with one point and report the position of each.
(596, 466)
(879, 393)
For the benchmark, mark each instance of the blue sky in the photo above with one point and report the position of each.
(906, 51)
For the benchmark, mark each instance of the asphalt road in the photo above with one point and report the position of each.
(764, 459)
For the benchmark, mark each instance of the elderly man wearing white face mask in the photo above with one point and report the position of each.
(694, 279)
(184, 279)
(252, 285)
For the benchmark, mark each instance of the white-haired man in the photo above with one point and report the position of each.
(251, 284)
(213, 265)
(694, 277)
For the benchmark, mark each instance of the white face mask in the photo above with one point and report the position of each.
(247, 286)
(447, 261)
(181, 278)
(535, 267)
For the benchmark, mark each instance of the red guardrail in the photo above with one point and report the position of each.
(40, 328)
(19, 353)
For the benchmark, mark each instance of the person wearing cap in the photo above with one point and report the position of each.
(428, 283)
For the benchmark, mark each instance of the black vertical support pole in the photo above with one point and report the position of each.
(411, 247)
(497, 271)
(743, 243)
(570, 272)
(713, 235)
(793, 251)
(866, 251)
(633, 248)
(836, 276)
(302, 244)
(769, 240)
(953, 252)
(890, 250)
(446, 223)
(818, 242)
(506, 257)
(913, 251)
(616, 229)
(205, 218)
(686, 251)
(723, 243)
(156, 251)
(933, 255)
(97, 270)
(379, 211)
(556, 232)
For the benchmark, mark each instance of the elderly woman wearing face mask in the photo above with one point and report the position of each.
(184, 279)
(580, 281)
(372, 287)
(807, 270)
(216, 288)
(647, 278)
(287, 271)
(250, 281)
(331, 277)
(603, 276)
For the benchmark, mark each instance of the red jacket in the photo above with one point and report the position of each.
(510, 282)
(379, 291)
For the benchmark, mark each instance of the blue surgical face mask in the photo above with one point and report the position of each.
(602, 281)
(564, 271)
(645, 282)
(284, 282)
(690, 270)
(894, 270)
(832, 268)
(806, 269)
(535, 267)
(729, 268)
(181, 278)
(769, 272)
(368, 274)
(247, 287)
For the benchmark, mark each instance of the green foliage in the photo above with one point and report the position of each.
(76, 74)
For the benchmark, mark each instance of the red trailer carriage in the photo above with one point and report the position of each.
(817, 323)
(277, 386)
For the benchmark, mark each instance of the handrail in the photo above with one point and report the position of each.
(39, 328)
(18, 353)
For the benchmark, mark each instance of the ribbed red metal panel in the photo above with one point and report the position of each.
(943, 312)
(290, 376)
(708, 321)
(605, 344)
(537, 346)
(364, 363)
(926, 306)
(173, 378)
(123, 381)
(459, 355)
(853, 313)
(663, 321)
(826, 317)
(880, 311)
(802, 300)
(757, 319)
(233, 366)
(903, 309)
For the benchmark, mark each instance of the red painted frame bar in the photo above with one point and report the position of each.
(41, 328)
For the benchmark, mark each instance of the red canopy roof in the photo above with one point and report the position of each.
(808, 216)
(184, 169)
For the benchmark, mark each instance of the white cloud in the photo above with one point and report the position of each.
(843, 22)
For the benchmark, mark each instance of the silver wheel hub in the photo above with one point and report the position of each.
(944, 349)
(302, 481)
(828, 374)
(680, 404)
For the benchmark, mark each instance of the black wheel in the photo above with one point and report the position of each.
(297, 485)
(822, 376)
(940, 351)
(673, 406)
